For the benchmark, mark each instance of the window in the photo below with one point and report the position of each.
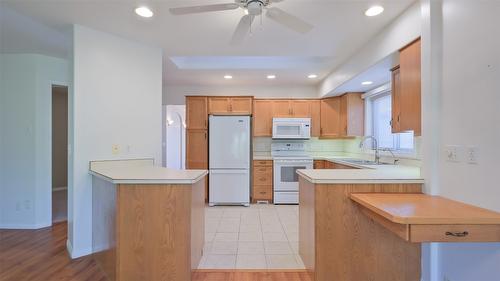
(381, 124)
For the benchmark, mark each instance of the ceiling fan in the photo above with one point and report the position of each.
(252, 9)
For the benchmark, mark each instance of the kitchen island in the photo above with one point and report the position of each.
(337, 241)
(147, 221)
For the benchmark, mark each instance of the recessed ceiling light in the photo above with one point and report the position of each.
(228, 77)
(312, 76)
(272, 76)
(374, 11)
(366, 83)
(144, 11)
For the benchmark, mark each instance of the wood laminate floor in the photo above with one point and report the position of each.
(41, 255)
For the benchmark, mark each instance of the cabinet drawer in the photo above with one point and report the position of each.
(264, 192)
(454, 233)
(262, 177)
(262, 163)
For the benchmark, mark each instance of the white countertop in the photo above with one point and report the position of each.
(367, 174)
(129, 172)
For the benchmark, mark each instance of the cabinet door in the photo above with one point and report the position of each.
(301, 108)
(196, 113)
(315, 117)
(410, 103)
(262, 118)
(330, 114)
(343, 115)
(241, 105)
(218, 105)
(355, 115)
(196, 149)
(395, 96)
(282, 108)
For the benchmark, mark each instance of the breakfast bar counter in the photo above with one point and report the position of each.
(147, 221)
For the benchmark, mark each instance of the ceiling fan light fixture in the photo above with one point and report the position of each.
(144, 12)
(254, 7)
(374, 11)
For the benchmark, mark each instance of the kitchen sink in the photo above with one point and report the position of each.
(362, 162)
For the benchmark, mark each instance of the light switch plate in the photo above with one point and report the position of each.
(472, 154)
(115, 149)
(452, 153)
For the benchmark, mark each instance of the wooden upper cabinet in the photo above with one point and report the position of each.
(330, 115)
(230, 105)
(196, 149)
(352, 115)
(395, 96)
(410, 88)
(281, 108)
(196, 113)
(262, 118)
(300, 108)
(241, 105)
(315, 106)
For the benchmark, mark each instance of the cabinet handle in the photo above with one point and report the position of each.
(205, 135)
(457, 234)
(398, 118)
(262, 192)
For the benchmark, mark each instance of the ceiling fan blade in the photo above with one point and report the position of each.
(203, 9)
(288, 20)
(242, 29)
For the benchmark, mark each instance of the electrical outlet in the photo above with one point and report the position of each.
(472, 154)
(452, 153)
(115, 149)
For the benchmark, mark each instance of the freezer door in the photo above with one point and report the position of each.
(229, 142)
(229, 187)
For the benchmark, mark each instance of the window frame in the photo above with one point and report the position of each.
(396, 137)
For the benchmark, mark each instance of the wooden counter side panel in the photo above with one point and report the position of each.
(351, 246)
(306, 225)
(197, 222)
(153, 242)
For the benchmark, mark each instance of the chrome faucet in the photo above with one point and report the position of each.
(375, 143)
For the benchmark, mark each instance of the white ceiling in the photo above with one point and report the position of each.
(340, 29)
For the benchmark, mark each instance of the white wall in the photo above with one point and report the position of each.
(397, 34)
(176, 94)
(116, 99)
(471, 116)
(26, 145)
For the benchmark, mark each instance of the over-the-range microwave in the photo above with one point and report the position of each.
(292, 128)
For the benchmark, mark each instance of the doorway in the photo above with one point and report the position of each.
(59, 153)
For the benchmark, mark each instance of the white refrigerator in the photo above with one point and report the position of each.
(229, 160)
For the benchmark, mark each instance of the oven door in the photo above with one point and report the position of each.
(285, 174)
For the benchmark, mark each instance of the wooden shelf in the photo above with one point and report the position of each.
(425, 218)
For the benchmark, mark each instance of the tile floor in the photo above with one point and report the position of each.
(255, 237)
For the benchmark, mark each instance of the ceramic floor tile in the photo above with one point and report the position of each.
(209, 237)
(275, 236)
(277, 248)
(221, 248)
(272, 228)
(231, 214)
(219, 262)
(226, 236)
(251, 262)
(283, 262)
(250, 247)
(295, 247)
(244, 227)
(292, 236)
(251, 236)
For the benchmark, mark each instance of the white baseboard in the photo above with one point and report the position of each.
(24, 226)
(76, 254)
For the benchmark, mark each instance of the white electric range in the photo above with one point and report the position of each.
(288, 157)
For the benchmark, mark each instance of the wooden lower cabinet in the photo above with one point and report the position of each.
(262, 179)
(319, 164)
(325, 164)
(197, 152)
(338, 242)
